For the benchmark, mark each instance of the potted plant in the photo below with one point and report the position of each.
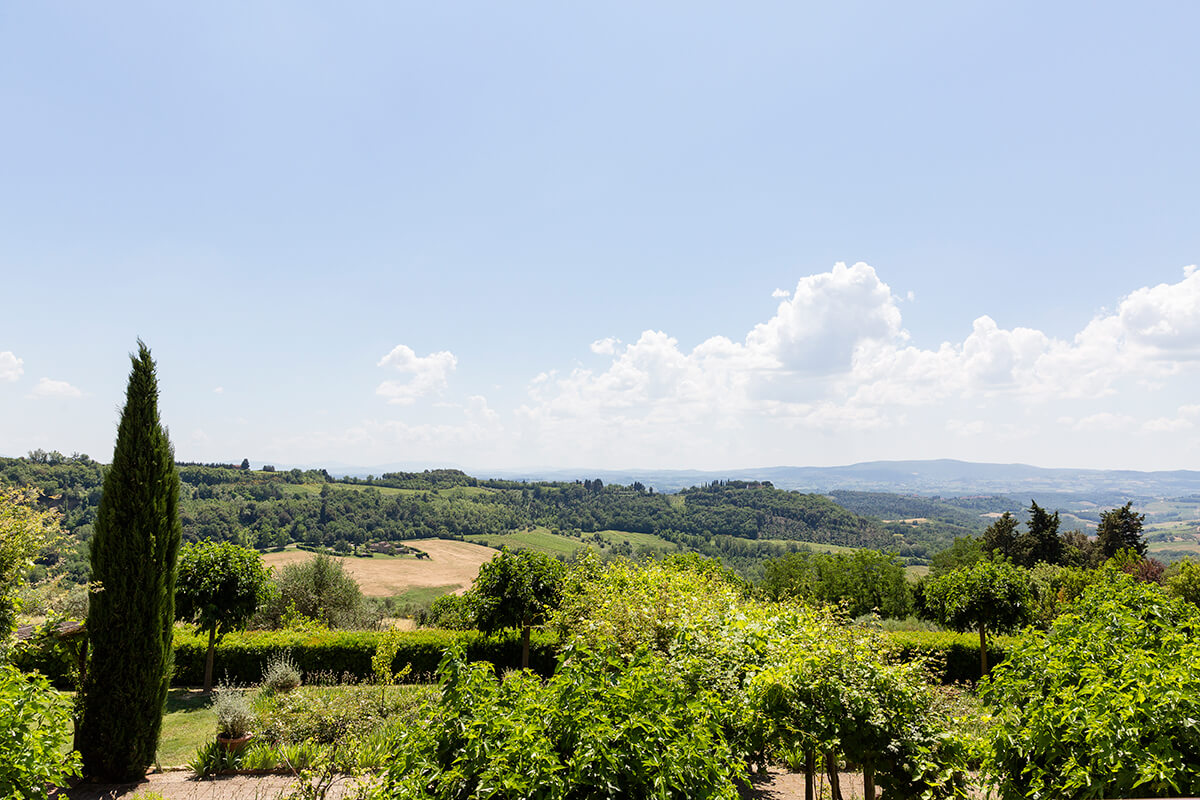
(234, 718)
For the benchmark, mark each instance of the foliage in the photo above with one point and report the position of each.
(987, 596)
(861, 582)
(219, 587)
(1121, 529)
(1041, 542)
(235, 716)
(1053, 588)
(1184, 581)
(342, 713)
(950, 657)
(24, 531)
(35, 729)
(1146, 570)
(381, 663)
(453, 612)
(243, 655)
(131, 618)
(1001, 537)
(517, 589)
(964, 552)
(639, 605)
(1105, 703)
(320, 589)
(839, 691)
(603, 725)
(281, 674)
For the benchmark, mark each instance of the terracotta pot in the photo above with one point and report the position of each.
(231, 744)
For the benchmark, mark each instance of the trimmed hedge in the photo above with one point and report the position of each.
(955, 655)
(240, 657)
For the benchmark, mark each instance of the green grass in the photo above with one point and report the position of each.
(424, 594)
(538, 539)
(637, 540)
(188, 723)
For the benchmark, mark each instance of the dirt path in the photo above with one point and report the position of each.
(181, 785)
(776, 784)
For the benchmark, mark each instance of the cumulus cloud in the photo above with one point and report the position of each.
(11, 367)
(427, 374)
(51, 388)
(835, 357)
(605, 347)
(781, 293)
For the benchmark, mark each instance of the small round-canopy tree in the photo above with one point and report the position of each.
(517, 589)
(986, 596)
(220, 586)
(132, 614)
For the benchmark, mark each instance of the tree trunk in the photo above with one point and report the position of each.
(868, 782)
(208, 659)
(525, 647)
(983, 665)
(810, 774)
(835, 783)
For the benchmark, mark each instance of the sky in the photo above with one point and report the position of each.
(605, 235)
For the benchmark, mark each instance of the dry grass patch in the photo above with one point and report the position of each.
(450, 564)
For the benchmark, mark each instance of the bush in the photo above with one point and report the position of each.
(1105, 703)
(280, 675)
(602, 726)
(35, 729)
(235, 717)
(323, 590)
(953, 657)
(244, 655)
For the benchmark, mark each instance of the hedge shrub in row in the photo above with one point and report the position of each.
(241, 657)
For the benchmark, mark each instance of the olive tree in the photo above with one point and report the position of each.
(986, 596)
(220, 586)
(517, 589)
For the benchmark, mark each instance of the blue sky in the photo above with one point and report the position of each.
(605, 235)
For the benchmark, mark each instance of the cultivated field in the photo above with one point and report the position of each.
(450, 564)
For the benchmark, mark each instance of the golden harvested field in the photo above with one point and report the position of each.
(449, 563)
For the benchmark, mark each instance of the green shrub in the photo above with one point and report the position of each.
(35, 728)
(235, 717)
(602, 726)
(244, 655)
(281, 674)
(954, 657)
(1103, 704)
(330, 714)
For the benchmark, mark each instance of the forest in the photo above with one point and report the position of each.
(743, 522)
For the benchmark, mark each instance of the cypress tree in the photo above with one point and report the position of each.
(130, 615)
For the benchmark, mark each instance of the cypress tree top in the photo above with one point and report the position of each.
(130, 617)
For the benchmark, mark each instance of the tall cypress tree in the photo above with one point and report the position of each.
(130, 617)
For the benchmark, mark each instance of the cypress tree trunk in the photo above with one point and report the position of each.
(130, 617)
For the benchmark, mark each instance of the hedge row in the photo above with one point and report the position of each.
(955, 656)
(240, 657)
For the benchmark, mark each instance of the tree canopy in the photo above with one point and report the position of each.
(517, 589)
(220, 586)
(986, 596)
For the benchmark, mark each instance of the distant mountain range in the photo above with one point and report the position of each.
(942, 477)
(939, 477)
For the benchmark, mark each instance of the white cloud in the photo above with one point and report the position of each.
(51, 388)
(11, 367)
(835, 357)
(219, 390)
(429, 374)
(605, 347)
(781, 293)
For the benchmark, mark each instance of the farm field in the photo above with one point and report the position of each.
(450, 564)
(637, 540)
(538, 539)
